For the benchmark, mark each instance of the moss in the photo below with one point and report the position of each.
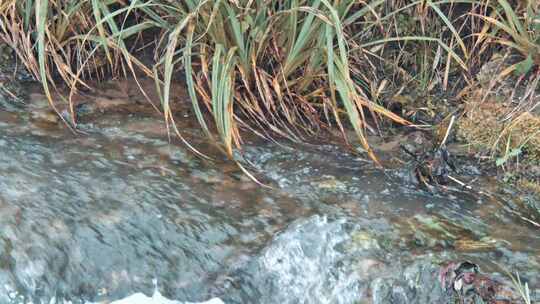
(494, 128)
(526, 129)
(485, 128)
(480, 126)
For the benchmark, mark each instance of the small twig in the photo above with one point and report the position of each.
(7, 91)
(529, 220)
(448, 130)
(460, 182)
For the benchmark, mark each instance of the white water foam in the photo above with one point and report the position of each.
(136, 298)
(157, 298)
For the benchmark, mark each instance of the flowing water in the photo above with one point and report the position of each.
(116, 211)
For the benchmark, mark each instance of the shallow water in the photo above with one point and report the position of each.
(101, 215)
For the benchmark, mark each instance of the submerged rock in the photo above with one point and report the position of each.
(416, 284)
(329, 183)
(301, 265)
(44, 116)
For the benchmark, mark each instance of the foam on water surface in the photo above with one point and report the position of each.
(157, 298)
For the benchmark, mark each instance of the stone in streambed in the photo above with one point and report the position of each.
(44, 116)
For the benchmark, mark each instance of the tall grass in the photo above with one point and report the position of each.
(271, 66)
(514, 29)
(284, 68)
(505, 27)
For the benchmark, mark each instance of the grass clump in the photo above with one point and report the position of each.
(501, 119)
(286, 68)
(517, 27)
(281, 67)
(484, 127)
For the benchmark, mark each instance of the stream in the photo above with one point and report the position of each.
(117, 210)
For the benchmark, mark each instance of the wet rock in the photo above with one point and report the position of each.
(37, 101)
(484, 243)
(464, 234)
(369, 267)
(329, 183)
(471, 286)
(10, 96)
(105, 104)
(388, 291)
(303, 265)
(44, 116)
(364, 240)
(425, 281)
(470, 170)
(177, 154)
(148, 126)
(416, 284)
(417, 143)
(211, 176)
(132, 153)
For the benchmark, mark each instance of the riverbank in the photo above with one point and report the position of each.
(376, 68)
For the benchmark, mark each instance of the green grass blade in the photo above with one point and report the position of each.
(301, 41)
(101, 30)
(237, 33)
(450, 27)
(362, 12)
(28, 5)
(42, 9)
(169, 66)
(190, 83)
(513, 21)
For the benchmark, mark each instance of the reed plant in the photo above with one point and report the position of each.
(286, 68)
